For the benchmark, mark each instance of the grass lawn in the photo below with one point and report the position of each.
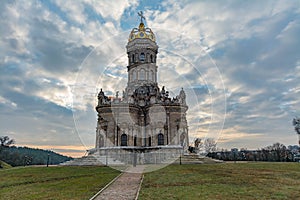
(53, 182)
(224, 181)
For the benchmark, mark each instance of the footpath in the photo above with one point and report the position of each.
(125, 187)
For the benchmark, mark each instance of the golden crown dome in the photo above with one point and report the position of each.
(141, 32)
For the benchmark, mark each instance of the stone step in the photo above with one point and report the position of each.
(92, 160)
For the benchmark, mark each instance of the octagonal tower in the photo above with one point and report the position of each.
(142, 53)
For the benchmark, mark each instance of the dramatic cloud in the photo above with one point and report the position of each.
(235, 60)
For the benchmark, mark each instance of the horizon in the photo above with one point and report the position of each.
(239, 63)
(76, 155)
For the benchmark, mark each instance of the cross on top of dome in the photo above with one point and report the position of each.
(142, 16)
(141, 32)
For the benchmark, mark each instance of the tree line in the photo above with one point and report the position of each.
(273, 153)
(21, 156)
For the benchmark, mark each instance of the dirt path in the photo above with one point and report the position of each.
(125, 187)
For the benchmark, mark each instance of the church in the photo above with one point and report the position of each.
(145, 120)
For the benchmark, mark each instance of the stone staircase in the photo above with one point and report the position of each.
(92, 159)
(96, 159)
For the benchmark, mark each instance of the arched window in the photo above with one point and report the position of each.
(133, 74)
(101, 141)
(149, 141)
(151, 75)
(151, 58)
(142, 74)
(160, 138)
(182, 139)
(142, 57)
(123, 139)
(134, 141)
(132, 58)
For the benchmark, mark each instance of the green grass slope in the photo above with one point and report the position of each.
(53, 182)
(224, 181)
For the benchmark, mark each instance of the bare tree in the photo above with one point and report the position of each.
(198, 143)
(5, 141)
(296, 123)
(278, 151)
(210, 145)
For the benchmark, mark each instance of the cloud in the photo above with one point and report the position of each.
(55, 55)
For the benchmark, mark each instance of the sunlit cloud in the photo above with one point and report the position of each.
(56, 55)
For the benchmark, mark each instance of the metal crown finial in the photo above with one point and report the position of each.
(142, 16)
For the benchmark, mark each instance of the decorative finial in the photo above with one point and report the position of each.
(142, 16)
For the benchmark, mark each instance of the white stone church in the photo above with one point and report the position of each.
(144, 125)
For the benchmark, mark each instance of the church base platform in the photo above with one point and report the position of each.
(132, 155)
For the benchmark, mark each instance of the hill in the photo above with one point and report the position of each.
(20, 156)
(56, 182)
(233, 181)
(247, 181)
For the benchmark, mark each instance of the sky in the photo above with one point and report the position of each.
(238, 61)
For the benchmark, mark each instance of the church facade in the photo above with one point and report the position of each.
(144, 119)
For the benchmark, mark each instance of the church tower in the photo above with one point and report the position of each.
(145, 119)
(142, 53)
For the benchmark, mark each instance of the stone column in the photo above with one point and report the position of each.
(116, 133)
(106, 139)
(128, 135)
(179, 131)
(97, 138)
(169, 128)
(101, 132)
(152, 134)
(143, 130)
(132, 135)
(156, 129)
(187, 137)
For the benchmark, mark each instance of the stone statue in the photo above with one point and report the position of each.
(101, 97)
(182, 97)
